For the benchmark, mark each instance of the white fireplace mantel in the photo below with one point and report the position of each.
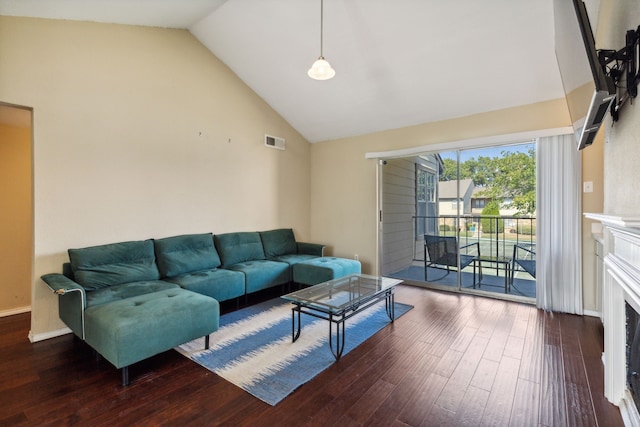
(615, 221)
(621, 284)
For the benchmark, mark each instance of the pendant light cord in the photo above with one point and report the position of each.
(321, 27)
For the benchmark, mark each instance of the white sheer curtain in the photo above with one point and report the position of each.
(559, 219)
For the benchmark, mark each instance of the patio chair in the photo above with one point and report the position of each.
(524, 255)
(443, 251)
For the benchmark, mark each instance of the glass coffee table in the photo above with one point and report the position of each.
(339, 299)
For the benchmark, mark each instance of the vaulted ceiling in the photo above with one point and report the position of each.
(398, 62)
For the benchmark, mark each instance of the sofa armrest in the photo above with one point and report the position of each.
(61, 284)
(310, 249)
(72, 300)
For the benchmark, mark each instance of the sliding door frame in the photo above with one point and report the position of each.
(457, 146)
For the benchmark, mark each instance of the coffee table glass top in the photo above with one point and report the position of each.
(339, 294)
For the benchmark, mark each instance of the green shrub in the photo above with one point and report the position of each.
(492, 209)
(528, 230)
(445, 227)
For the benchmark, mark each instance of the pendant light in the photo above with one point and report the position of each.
(321, 69)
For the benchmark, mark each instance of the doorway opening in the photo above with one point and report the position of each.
(16, 215)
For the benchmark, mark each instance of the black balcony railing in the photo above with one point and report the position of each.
(496, 234)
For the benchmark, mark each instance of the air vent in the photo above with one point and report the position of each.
(274, 142)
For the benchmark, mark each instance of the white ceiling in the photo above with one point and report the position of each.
(397, 62)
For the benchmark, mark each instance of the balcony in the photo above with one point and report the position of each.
(494, 237)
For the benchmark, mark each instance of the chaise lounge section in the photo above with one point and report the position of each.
(114, 300)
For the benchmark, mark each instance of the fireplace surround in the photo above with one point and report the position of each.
(620, 305)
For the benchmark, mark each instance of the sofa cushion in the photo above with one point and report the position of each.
(113, 264)
(216, 283)
(185, 254)
(126, 290)
(239, 247)
(278, 242)
(263, 274)
(294, 259)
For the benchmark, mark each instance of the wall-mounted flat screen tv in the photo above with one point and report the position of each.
(588, 90)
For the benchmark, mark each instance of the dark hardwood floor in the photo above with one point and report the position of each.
(453, 360)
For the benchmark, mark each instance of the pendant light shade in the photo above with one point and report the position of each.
(321, 69)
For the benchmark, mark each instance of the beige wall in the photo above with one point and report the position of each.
(139, 133)
(592, 171)
(344, 183)
(16, 243)
(611, 163)
(622, 140)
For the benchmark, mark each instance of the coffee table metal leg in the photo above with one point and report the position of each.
(389, 301)
(295, 334)
(339, 348)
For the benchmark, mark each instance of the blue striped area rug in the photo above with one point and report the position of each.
(253, 350)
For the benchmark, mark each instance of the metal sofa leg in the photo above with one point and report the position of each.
(206, 342)
(125, 376)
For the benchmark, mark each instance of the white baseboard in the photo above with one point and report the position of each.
(47, 335)
(592, 313)
(35, 337)
(19, 310)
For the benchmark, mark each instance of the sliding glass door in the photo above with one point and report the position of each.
(460, 220)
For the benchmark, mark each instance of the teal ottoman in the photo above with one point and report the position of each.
(132, 329)
(322, 269)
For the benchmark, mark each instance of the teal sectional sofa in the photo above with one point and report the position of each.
(132, 300)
